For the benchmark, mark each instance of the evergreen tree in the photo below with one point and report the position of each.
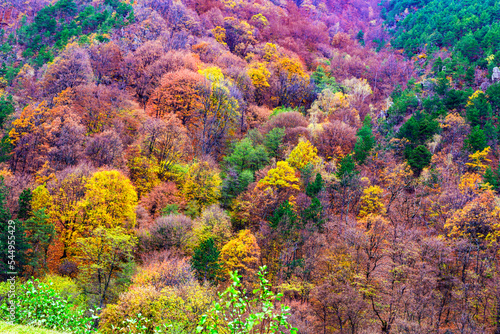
(313, 188)
(41, 235)
(205, 261)
(476, 140)
(365, 141)
(419, 158)
(13, 243)
(274, 141)
(24, 204)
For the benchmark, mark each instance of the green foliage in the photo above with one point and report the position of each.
(346, 168)
(419, 128)
(419, 158)
(24, 211)
(313, 188)
(284, 219)
(205, 261)
(247, 156)
(6, 108)
(274, 141)
(41, 306)
(6, 327)
(323, 81)
(236, 313)
(170, 209)
(365, 141)
(40, 237)
(13, 243)
(476, 140)
(469, 25)
(492, 177)
(55, 25)
(281, 110)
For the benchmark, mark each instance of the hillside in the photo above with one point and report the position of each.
(340, 155)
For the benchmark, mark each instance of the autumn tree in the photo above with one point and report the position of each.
(242, 254)
(104, 256)
(69, 70)
(202, 184)
(178, 94)
(302, 155)
(110, 201)
(219, 110)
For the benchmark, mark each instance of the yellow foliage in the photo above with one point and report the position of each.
(212, 73)
(260, 20)
(470, 184)
(303, 154)
(202, 184)
(241, 253)
(259, 75)
(270, 52)
(453, 121)
(31, 117)
(371, 202)
(477, 93)
(110, 200)
(219, 34)
(478, 158)
(292, 67)
(281, 177)
(478, 220)
(144, 174)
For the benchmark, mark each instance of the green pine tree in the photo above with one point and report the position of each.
(205, 261)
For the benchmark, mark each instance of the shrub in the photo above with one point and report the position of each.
(39, 305)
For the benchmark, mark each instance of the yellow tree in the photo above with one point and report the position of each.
(371, 202)
(282, 177)
(242, 254)
(478, 220)
(303, 154)
(64, 207)
(202, 184)
(110, 201)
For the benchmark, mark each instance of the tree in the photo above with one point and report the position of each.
(476, 140)
(178, 93)
(110, 201)
(24, 211)
(69, 70)
(281, 178)
(40, 235)
(274, 141)
(104, 255)
(371, 202)
(219, 110)
(302, 155)
(365, 141)
(419, 158)
(205, 261)
(241, 254)
(347, 183)
(12, 239)
(202, 184)
(247, 156)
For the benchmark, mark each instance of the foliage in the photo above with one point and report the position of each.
(104, 256)
(279, 178)
(41, 306)
(205, 261)
(302, 155)
(236, 313)
(202, 184)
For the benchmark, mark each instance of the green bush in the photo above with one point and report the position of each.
(39, 305)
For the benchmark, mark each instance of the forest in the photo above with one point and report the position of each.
(237, 166)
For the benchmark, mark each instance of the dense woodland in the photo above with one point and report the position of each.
(235, 166)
